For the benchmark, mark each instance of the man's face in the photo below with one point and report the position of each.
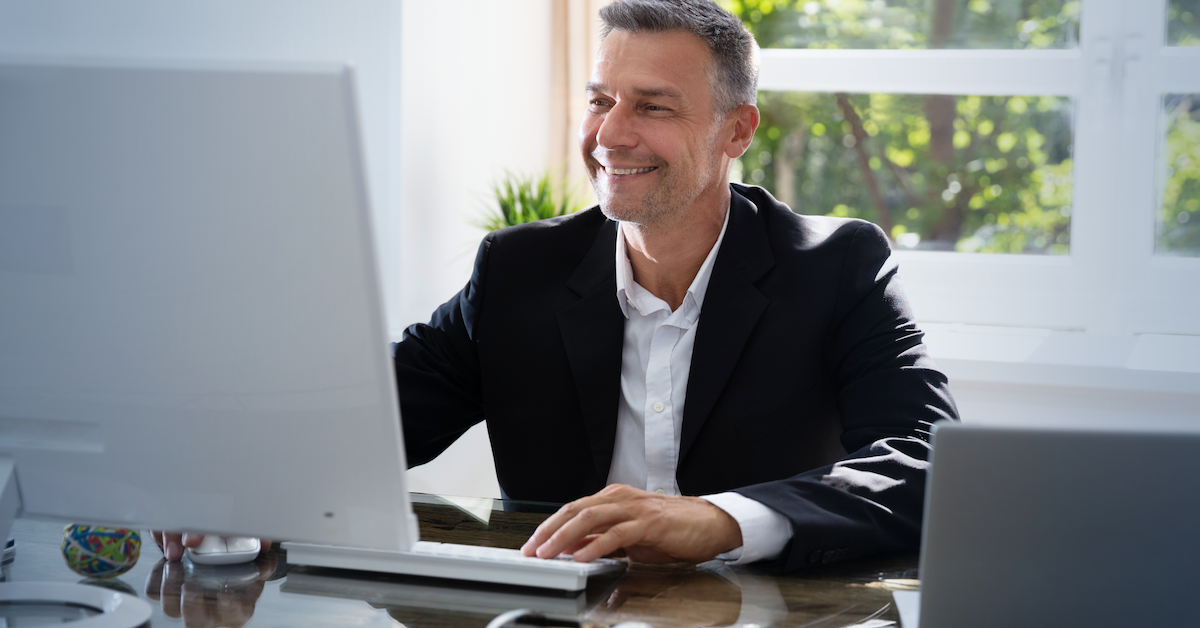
(650, 139)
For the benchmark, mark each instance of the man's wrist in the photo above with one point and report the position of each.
(764, 532)
(729, 531)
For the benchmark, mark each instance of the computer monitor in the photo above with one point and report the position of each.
(191, 330)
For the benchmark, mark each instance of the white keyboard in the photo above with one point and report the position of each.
(461, 562)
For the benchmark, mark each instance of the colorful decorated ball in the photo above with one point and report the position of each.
(99, 552)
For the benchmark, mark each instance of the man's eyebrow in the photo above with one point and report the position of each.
(657, 92)
(641, 92)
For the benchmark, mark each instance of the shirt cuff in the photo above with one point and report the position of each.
(765, 532)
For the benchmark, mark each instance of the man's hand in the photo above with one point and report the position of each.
(172, 544)
(648, 527)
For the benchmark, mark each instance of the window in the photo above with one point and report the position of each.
(1037, 162)
(1183, 23)
(937, 172)
(1179, 190)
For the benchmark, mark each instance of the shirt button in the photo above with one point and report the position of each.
(660, 491)
(659, 406)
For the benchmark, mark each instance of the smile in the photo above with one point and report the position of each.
(628, 170)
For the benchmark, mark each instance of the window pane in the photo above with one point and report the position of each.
(1183, 23)
(953, 173)
(1005, 24)
(1179, 193)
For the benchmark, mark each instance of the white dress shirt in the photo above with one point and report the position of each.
(656, 358)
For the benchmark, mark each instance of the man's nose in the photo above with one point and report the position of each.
(618, 129)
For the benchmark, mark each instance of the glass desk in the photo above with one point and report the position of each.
(269, 593)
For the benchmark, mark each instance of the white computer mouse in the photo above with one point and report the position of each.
(224, 550)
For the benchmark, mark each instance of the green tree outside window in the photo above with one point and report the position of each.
(968, 173)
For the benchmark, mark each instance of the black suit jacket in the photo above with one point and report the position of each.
(810, 390)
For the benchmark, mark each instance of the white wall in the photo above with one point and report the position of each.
(475, 101)
(1038, 405)
(1029, 377)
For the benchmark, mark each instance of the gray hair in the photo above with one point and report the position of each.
(733, 49)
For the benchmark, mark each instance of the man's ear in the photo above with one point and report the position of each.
(745, 121)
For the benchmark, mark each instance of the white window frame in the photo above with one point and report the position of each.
(1111, 284)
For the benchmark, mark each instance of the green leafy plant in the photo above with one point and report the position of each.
(522, 198)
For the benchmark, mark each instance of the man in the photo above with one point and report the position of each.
(687, 337)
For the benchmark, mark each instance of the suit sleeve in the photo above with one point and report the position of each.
(438, 374)
(888, 394)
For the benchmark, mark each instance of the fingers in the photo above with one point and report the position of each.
(599, 519)
(172, 544)
(564, 515)
(264, 546)
(621, 535)
(547, 528)
(575, 548)
(630, 538)
(552, 529)
(648, 527)
(192, 540)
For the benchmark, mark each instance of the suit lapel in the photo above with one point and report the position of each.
(732, 307)
(593, 331)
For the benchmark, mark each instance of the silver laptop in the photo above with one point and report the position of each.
(1059, 527)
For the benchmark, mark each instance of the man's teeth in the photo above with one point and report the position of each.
(629, 170)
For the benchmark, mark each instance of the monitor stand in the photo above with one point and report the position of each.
(114, 609)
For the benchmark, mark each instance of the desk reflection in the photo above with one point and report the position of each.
(681, 598)
(672, 596)
(211, 596)
(854, 593)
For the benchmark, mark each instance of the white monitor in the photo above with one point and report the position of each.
(191, 329)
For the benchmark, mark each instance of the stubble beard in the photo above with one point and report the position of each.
(674, 193)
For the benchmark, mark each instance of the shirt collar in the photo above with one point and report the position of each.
(628, 290)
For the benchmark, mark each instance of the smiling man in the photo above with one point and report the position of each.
(696, 369)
